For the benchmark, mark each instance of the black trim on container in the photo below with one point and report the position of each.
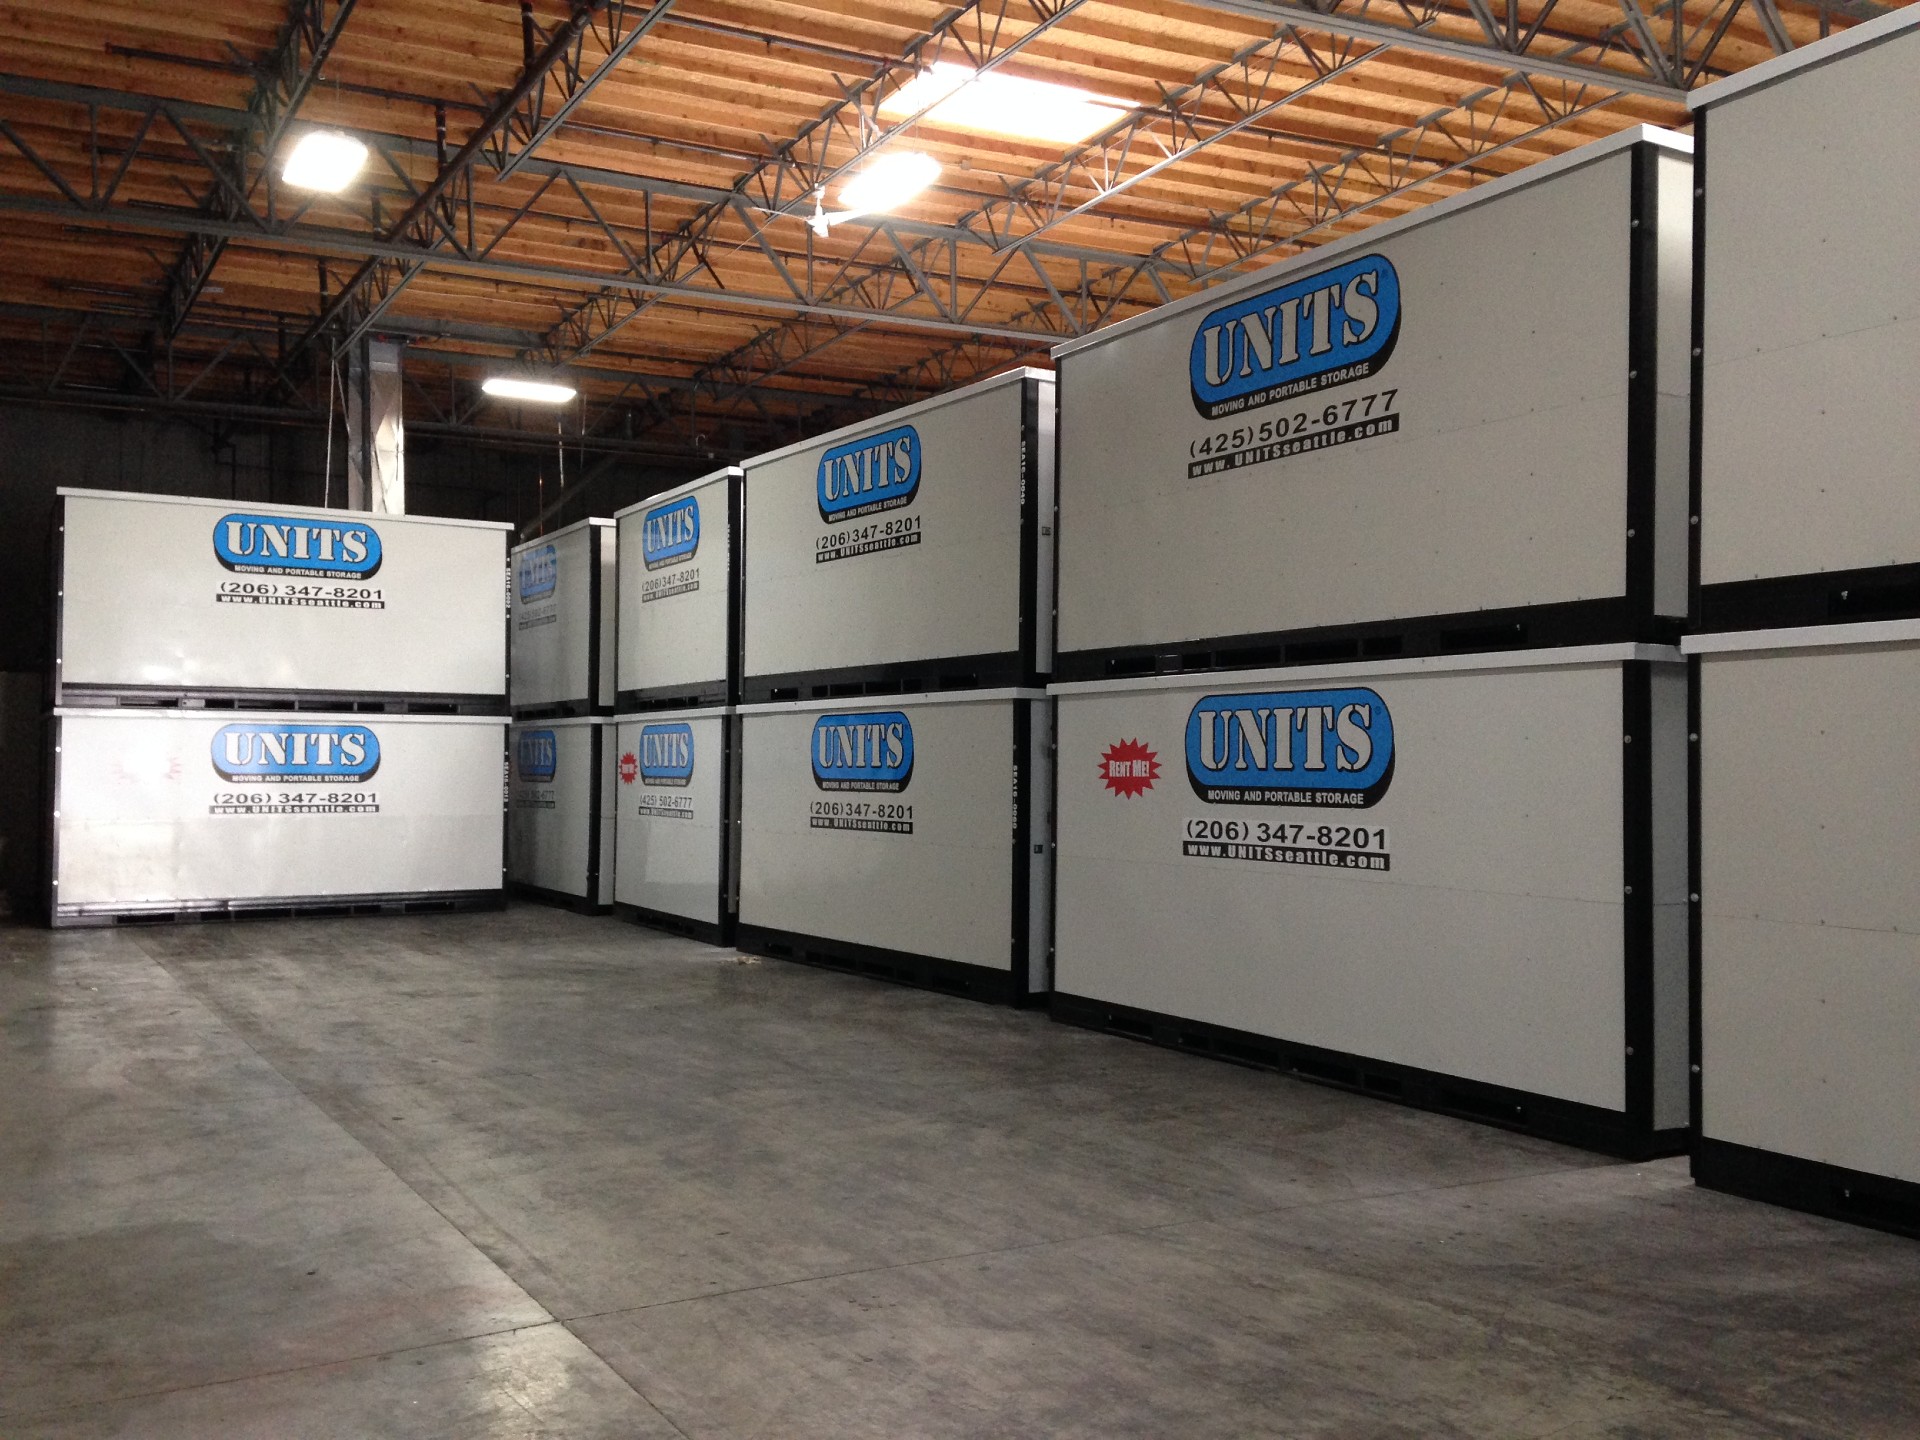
(736, 586)
(1006, 670)
(685, 926)
(1029, 522)
(1538, 627)
(596, 808)
(1695, 935)
(57, 609)
(1643, 385)
(1697, 399)
(49, 809)
(1020, 952)
(1879, 1202)
(1566, 1121)
(1636, 833)
(729, 820)
(418, 902)
(1827, 597)
(594, 618)
(556, 710)
(925, 972)
(542, 895)
(706, 696)
(364, 702)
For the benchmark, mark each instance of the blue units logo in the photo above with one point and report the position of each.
(536, 756)
(1300, 747)
(271, 753)
(864, 477)
(666, 755)
(670, 533)
(868, 751)
(539, 572)
(288, 545)
(1330, 328)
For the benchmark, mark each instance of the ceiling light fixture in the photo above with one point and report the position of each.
(324, 160)
(997, 104)
(885, 184)
(540, 392)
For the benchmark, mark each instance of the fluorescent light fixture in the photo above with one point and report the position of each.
(324, 160)
(540, 392)
(888, 182)
(997, 104)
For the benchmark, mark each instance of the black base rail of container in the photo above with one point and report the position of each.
(1575, 622)
(669, 697)
(706, 931)
(141, 697)
(296, 907)
(561, 899)
(563, 710)
(923, 972)
(1831, 597)
(1568, 1122)
(1878, 1201)
(908, 677)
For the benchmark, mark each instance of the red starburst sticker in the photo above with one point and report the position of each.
(1129, 768)
(629, 768)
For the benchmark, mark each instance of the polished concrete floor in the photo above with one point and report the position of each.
(535, 1175)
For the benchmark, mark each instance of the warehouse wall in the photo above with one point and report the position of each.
(42, 449)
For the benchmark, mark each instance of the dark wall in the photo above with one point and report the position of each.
(43, 449)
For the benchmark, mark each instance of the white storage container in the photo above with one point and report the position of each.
(905, 837)
(560, 661)
(678, 775)
(912, 552)
(1459, 882)
(679, 632)
(173, 811)
(1460, 430)
(1809, 343)
(1808, 942)
(160, 597)
(560, 810)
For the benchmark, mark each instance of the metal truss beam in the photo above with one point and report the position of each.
(228, 369)
(595, 52)
(284, 78)
(431, 221)
(1620, 56)
(1233, 97)
(980, 33)
(933, 293)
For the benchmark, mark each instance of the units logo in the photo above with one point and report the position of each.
(271, 754)
(1129, 768)
(666, 755)
(869, 751)
(866, 476)
(1301, 747)
(539, 572)
(536, 756)
(288, 545)
(670, 533)
(1329, 328)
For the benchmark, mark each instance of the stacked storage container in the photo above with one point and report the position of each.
(678, 669)
(561, 664)
(1372, 732)
(1808, 937)
(894, 742)
(273, 708)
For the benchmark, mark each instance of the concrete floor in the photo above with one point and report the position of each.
(537, 1175)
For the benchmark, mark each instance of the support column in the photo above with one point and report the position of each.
(376, 436)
